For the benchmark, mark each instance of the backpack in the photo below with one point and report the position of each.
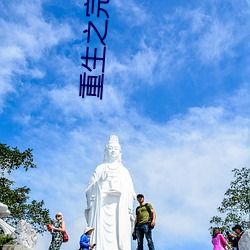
(149, 212)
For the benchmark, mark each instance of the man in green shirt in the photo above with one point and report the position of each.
(144, 223)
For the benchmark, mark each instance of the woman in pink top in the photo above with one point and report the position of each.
(218, 240)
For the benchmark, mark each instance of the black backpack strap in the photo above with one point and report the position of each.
(136, 212)
(148, 208)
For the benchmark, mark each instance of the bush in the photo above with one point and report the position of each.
(6, 240)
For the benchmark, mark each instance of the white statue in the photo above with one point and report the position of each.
(25, 235)
(4, 212)
(244, 242)
(110, 197)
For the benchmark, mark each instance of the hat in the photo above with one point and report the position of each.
(140, 195)
(237, 227)
(59, 213)
(87, 229)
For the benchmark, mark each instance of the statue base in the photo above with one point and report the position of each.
(12, 247)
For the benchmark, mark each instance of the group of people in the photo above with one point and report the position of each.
(110, 198)
(219, 241)
(144, 223)
(57, 236)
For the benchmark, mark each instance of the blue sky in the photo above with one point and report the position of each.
(176, 92)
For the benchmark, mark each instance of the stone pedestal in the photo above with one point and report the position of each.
(13, 247)
(244, 242)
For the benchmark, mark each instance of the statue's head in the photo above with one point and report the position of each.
(4, 211)
(113, 150)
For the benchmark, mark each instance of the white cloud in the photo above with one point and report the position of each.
(131, 12)
(143, 63)
(68, 101)
(170, 44)
(217, 42)
(23, 38)
(195, 33)
(140, 68)
(198, 19)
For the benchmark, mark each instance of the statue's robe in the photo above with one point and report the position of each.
(110, 197)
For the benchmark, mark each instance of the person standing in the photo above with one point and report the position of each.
(85, 239)
(218, 240)
(239, 231)
(143, 225)
(56, 231)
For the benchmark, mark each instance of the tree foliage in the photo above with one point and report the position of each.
(17, 199)
(235, 206)
(6, 239)
(12, 159)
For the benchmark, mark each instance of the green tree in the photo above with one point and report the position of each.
(17, 199)
(235, 207)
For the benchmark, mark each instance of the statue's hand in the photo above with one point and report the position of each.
(89, 204)
(104, 176)
(132, 217)
(90, 201)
